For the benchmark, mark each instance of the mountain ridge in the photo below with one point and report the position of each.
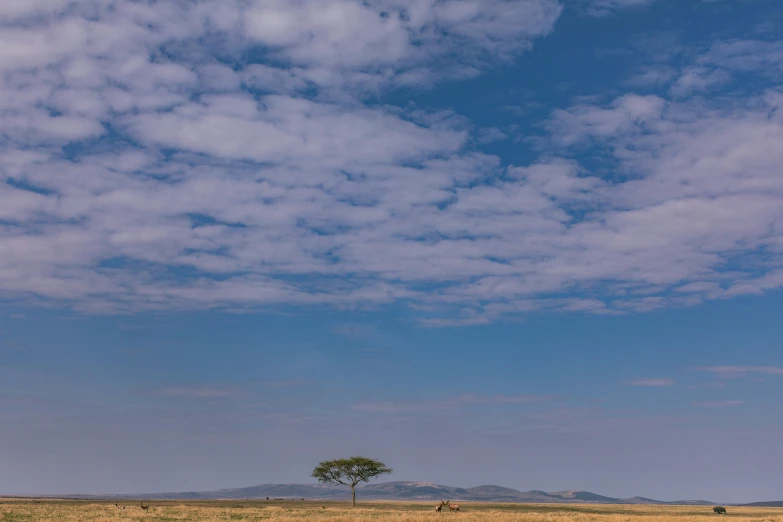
(398, 490)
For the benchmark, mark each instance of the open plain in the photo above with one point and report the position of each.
(24, 510)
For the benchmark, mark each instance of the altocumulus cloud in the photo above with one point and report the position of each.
(185, 155)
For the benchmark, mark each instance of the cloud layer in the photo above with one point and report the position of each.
(180, 155)
(657, 382)
(741, 371)
(452, 403)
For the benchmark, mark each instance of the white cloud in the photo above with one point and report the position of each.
(214, 156)
(703, 190)
(605, 7)
(620, 3)
(698, 80)
(719, 68)
(13, 10)
(284, 130)
(625, 115)
(340, 43)
(316, 172)
(757, 56)
(652, 77)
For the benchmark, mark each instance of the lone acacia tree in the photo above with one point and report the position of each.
(350, 472)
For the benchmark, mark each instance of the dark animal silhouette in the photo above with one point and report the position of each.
(720, 510)
(145, 508)
(440, 506)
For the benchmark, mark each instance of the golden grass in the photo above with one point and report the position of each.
(22, 510)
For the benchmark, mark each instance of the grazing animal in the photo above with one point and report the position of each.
(452, 507)
(145, 508)
(720, 510)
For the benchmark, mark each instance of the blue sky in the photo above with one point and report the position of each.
(534, 243)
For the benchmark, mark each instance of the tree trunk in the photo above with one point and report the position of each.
(353, 496)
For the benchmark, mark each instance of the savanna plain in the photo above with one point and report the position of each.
(23, 510)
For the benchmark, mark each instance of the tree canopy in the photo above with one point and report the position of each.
(350, 472)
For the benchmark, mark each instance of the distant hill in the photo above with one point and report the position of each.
(399, 491)
(776, 503)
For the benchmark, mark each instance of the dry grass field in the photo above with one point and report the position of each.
(22, 510)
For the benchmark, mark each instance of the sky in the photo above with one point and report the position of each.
(531, 243)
